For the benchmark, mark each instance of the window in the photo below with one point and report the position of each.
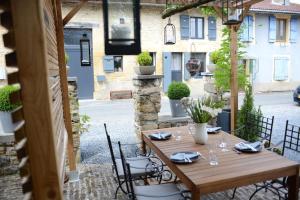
(281, 30)
(196, 28)
(281, 66)
(118, 63)
(247, 29)
(153, 56)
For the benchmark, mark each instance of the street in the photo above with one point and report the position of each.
(119, 116)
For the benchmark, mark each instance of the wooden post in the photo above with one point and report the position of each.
(233, 77)
(64, 85)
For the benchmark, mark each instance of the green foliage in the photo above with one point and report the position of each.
(198, 110)
(178, 90)
(144, 59)
(248, 134)
(208, 11)
(223, 65)
(215, 104)
(214, 56)
(5, 104)
(67, 58)
(83, 125)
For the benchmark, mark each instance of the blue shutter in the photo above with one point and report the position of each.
(184, 27)
(245, 30)
(186, 58)
(108, 63)
(272, 29)
(167, 62)
(250, 28)
(281, 69)
(212, 28)
(293, 29)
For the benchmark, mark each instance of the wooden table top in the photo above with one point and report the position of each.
(233, 170)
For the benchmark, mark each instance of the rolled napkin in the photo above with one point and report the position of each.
(160, 136)
(184, 157)
(213, 129)
(254, 147)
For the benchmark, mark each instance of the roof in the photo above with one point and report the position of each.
(268, 6)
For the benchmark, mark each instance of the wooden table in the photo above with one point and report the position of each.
(233, 170)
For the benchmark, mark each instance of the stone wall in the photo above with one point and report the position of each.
(147, 101)
(74, 108)
(8, 156)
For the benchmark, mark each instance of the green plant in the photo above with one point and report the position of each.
(249, 134)
(5, 92)
(83, 125)
(208, 10)
(67, 58)
(214, 56)
(144, 59)
(178, 90)
(222, 73)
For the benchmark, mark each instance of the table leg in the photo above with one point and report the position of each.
(293, 185)
(196, 194)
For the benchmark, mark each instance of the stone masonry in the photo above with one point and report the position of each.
(74, 109)
(147, 101)
(8, 156)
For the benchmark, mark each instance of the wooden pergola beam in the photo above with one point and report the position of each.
(73, 12)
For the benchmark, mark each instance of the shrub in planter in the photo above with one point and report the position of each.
(176, 91)
(6, 107)
(145, 64)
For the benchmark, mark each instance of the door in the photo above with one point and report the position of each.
(176, 67)
(80, 67)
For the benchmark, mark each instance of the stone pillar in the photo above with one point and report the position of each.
(8, 156)
(147, 101)
(74, 108)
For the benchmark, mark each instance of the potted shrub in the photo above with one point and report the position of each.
(6, 107)
(213, 57)
(145, 64)
(176, 91)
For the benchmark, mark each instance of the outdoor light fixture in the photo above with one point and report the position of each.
(170, 33)
(232, 12)
(122, 27)
(85, 51)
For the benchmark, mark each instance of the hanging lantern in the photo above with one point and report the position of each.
(85, 51)
(232, 12)
(122, 27)
(170, 33)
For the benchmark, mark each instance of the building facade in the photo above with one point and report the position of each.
(196, 36)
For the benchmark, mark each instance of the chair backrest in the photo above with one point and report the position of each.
(127, 175)
(113, 158)
(291, 138)
(261, 126)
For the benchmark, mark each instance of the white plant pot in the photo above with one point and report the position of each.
(200, 135)
(6, 123)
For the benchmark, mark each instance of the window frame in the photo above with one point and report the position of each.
(196, 27)
(281, 57)
(278, 29)
(153, 56)
(115, 63)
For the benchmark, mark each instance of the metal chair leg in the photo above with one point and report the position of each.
(234, 191)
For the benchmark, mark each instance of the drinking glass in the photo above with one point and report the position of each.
(213, 159)
(191, 127)
(177, 134)
(224, 142)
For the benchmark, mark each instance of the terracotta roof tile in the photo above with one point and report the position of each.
(268, 6)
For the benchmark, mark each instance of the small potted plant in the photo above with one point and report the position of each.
(213, 57)
(177, 91)
(145, 64)
(6, 107)
(201, 111)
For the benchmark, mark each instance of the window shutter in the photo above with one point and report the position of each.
(212, 28)
(245, 27)
(167, 62)
(108, 63)
(293, 29)
(272, 29)
(186, 58)
(184, 27)
(280, 69)
(250, 28)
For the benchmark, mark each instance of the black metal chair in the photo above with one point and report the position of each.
(142, 167)
(291, 143)
(167, 191)
(261, 126)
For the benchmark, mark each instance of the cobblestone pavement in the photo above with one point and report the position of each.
(96, 182)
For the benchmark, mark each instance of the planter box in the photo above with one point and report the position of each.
(177, 109)
(223, 120)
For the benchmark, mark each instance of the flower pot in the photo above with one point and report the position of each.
(144, 70)
(177, 109)
(211, 67)
(6, 123)
(200, 135)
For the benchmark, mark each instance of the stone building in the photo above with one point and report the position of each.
(196, 36)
